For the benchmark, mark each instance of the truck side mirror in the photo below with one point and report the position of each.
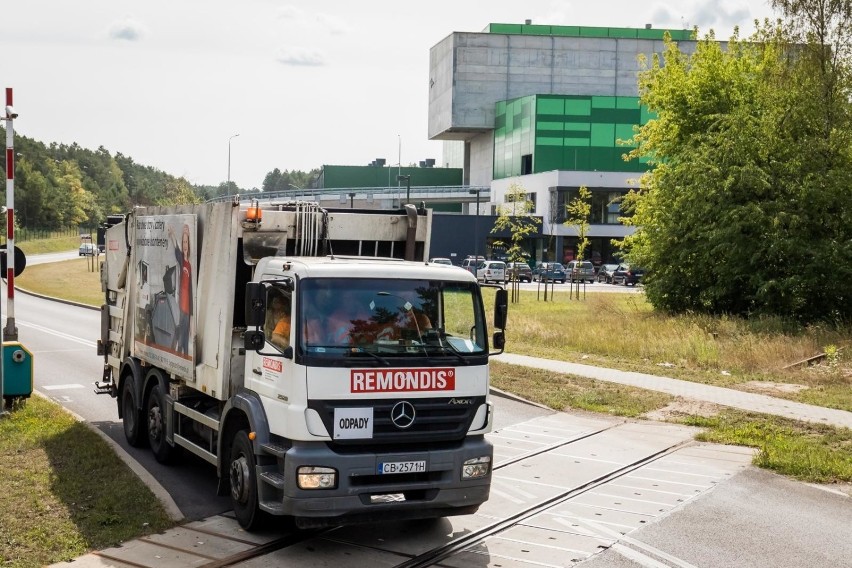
(255, 340)
(255, 304)
(501, 307)
(499, 342)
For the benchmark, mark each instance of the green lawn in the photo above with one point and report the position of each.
(64, 489)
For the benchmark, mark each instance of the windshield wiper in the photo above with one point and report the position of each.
(450, 350)
(379, 358)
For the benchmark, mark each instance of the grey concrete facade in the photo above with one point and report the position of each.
(470, 72)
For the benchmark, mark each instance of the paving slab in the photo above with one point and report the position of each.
(323, 553)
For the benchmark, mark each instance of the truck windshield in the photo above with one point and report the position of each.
(390, 317)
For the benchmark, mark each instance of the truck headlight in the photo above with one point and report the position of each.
(476, 467)
(313, 477)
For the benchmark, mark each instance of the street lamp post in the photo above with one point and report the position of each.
(407, 179)
(476, 225)
(229, 162)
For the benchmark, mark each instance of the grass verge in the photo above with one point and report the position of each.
(64, 490)
(559, 392)
(42, 246)
(70, 279)
(805, 451)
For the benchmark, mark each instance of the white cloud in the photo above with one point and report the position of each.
(713, 14)
(300, 56)
(291, 13)
(706, 14)
(127, 29)
(314, 21)
(335, 25)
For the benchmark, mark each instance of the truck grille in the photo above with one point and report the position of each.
(436, 419)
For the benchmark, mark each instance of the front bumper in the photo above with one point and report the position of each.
(364, 495)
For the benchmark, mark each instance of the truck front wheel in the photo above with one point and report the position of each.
(241, 471)
(163, 451)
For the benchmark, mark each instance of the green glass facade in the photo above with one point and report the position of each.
(383, 176)
(541, 133)
(587, 31)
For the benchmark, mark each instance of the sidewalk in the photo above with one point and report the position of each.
(687, 389)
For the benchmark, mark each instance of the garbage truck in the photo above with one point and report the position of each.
(329, 372)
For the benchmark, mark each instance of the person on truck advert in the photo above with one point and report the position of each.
(182, 257)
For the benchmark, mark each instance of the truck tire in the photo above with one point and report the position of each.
(131, 415)
(243, 478)
(156, 414)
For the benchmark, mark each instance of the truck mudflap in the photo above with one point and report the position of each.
(375, 486)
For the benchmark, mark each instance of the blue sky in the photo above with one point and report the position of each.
(168, 82)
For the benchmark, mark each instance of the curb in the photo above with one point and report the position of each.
(172, 510)
(55, 299)
(516, 398)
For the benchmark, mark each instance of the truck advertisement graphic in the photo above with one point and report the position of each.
(166, 284)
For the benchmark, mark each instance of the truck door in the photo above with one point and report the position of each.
(271, 370)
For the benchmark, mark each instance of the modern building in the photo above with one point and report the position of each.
(549, 108)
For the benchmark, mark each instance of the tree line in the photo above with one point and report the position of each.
(62, 185)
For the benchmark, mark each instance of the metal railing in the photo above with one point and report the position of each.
(370, 194)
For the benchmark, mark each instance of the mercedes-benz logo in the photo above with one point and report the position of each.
(402, 414)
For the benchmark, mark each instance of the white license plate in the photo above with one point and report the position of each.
(402, 467)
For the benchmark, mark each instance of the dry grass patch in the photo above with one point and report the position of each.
(622, 331)
(71, 280)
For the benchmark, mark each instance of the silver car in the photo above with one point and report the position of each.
(491, 271)
(580, 270)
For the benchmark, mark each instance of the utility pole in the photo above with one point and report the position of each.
(229, 162)
(407, 179)
(476, 225)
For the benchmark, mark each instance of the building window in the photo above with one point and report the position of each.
(531, 200)
(605, 210)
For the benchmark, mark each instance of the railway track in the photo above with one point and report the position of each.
(563, 489)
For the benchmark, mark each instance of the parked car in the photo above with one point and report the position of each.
(470, 263)
(440, 260)
(549, 272)
(88, 249)
(519, 271)
(491, 271)
(580, 270)
(605, 273)
(626, 274)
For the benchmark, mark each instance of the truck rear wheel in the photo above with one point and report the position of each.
(132, 417)
(156, 407)
(243, 476)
